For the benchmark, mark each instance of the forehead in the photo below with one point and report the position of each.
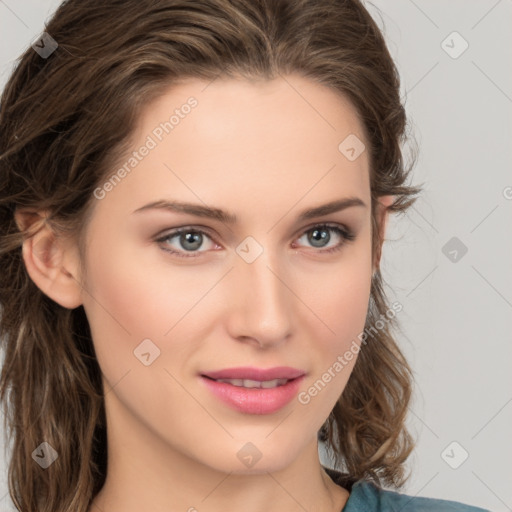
(292, 104)
(242, 142)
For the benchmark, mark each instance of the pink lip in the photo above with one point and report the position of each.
(255, 400)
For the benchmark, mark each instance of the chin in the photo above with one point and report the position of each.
(255, 454)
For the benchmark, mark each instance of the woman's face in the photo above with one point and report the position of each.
(273, 288)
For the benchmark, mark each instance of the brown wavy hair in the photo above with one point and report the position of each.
(66, 120)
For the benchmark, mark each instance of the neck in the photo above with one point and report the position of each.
(151, 475)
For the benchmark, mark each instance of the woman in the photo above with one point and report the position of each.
(194, 200)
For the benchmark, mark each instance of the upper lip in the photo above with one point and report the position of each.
(258, 374)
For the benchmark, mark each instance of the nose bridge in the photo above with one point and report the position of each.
(263, 299)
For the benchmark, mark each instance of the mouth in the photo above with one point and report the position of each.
(251, 384)
(251, 373)
(254, 390)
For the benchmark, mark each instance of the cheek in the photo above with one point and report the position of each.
(128, 290)
(342, 305)
(119, 305)
(343, 301)
(131, 298)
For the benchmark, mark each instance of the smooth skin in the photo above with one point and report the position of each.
(264, 151)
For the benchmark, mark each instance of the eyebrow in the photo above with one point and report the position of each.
(230, 218)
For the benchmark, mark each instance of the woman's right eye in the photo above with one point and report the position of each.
(187, 240)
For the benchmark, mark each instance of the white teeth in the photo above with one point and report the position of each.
(273, 383)
(234, 382)
(248, 383)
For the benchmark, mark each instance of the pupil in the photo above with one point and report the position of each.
(319, 235)
(195, 239)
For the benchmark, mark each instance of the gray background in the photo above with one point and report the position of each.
(457, 308)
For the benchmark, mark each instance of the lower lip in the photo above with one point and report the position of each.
(254, 400)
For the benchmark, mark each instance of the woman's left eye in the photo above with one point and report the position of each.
(189, 240)
(318, 235)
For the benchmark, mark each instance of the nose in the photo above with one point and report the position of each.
(261, 303)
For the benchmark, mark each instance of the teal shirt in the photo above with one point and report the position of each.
(365, 496)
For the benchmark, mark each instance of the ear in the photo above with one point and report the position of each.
(51, 261)
(382, 214)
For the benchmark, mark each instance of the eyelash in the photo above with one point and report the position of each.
(345, 234)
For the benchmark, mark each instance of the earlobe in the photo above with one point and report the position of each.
(50, 261)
